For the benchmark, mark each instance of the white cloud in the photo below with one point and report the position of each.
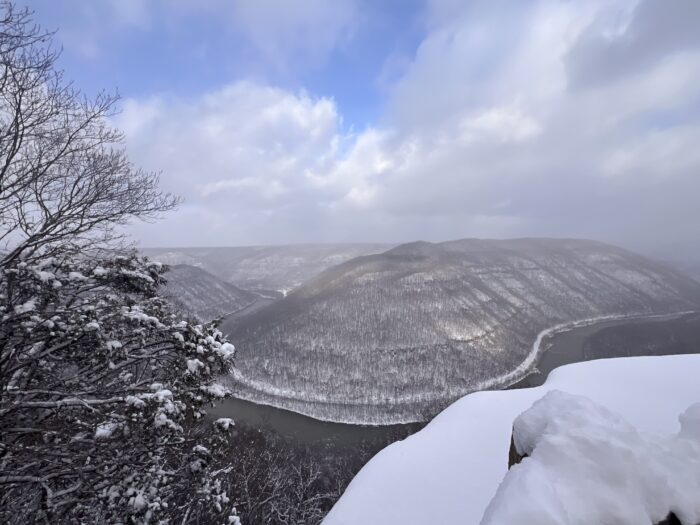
(486, 134)
(239, 150)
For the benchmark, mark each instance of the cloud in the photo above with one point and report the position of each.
(241, 150)
(628, 41)
(499, 126)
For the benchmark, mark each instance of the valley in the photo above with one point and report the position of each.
(394, 337)
(391, 338)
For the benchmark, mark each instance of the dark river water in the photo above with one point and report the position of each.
(651, 337)
(307, 429)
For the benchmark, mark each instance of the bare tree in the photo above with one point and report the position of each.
(66, 183)
(102, 387)
(277, 481)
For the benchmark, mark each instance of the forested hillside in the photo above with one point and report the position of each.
(203, 295)
(394, 337)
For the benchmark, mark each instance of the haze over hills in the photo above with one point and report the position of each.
(203, 295)
(394, 337)
(279, 268)
(688, 267)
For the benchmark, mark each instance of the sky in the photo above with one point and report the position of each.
(303, 121)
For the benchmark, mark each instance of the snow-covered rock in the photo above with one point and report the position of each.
(450, 471)
(586, 465)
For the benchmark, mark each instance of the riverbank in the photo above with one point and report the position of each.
(554, 347)
(573, 344)
(306, 429)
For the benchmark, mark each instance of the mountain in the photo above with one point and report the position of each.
(394, 337)
(261, 268)
(199, 293)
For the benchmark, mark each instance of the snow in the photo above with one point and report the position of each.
(92, 326)
(156, 265)
(588, 465)
(216, 390)
(193, 365)
(199, 449)
(45, 276)
(106, 430)
(26, 307)
(137, 275)
(138, 502)
(224, 423)
(227, 351)
(136, 314)
(135, 401)
(163, 395)
(450, 471)
(161, 420)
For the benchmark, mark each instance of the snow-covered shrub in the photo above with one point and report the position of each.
(100, 408)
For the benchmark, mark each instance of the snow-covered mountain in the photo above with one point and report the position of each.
(199, 293)
(279, 268)
(395, 337)
(450, 471)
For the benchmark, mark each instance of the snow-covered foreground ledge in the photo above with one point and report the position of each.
(584, 464)
(449, 472)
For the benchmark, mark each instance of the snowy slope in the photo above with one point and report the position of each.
(203, 295)
(449, 472)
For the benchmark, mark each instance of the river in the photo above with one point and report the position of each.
(575, 345)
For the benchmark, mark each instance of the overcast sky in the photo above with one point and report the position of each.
(286, 121)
